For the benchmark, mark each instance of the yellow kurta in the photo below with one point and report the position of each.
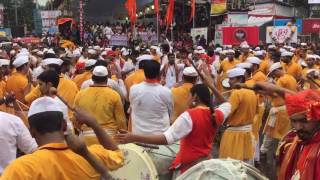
(282, 123)
(17, 83)
(105, 105)
(243, 58)
(293, 69)
(264, 66)
(80, 78)
(180, 99)
(57, 161)
(134, 78)
(226, 65)
(239, 144)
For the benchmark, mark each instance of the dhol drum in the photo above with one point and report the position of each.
(146, 162)
(222, 169)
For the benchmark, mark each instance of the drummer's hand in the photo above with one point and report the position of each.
(207, 79)
(123, 137)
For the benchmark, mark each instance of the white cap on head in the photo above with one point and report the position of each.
(39, 53)
(311, 56)
(231, 51)
(254, 60)
(272, 46)
(292, 49)
(51, 51)
(154, 47)
(274, 66)
(76, 52)
(90, 62)
(258, 53)
(44, 104)
(24, 50)
(123, 49)
(100, 71)
(104, 53)
(303, 64)
(257, 49)
(244, 65)
(35, 50)
(303, 44)
(21, 60)
(48, 61)
(218, 50)
(23, 54)
(190, 71)
(317, 56)
(200, 48)
(282, 50)
(92, 51)
(245, 46)
(286, 54)
(235, 72)
(4, 62)
(97, 48)
(145, 57)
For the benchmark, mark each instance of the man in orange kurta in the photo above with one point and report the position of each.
(55, 159)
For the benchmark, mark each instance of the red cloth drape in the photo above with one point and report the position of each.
(193, 9)
(170, 12)
(131, 6)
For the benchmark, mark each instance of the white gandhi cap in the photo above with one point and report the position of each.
(100, 71)
(235, 72)
(274, 66)
(4, 62)
(244, 65)
(254, 60)
(19, 61)
(286, 54)
(48, 61)
(190, 71)
(44, 104)
(90, 62)
(144, 57)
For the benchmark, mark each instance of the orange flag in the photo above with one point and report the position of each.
(131, 6)
(170, 11)
(156, 6)
(193, 9)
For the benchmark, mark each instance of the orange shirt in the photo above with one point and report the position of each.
(226, 65)
(57, 161)
(180, 99)
(286, 81)
(134, 78)
(243, 58)
(17, 83)
(80, 78)
(264, 66)
(293, 69)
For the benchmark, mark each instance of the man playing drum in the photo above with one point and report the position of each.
(196, 128)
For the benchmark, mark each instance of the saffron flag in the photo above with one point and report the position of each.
(170, 12)
(156, 6)
(218, 7)
(131, 6)
(193, 9)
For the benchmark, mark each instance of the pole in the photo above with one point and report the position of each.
(157, 27)
(16, 11)
(193, 19)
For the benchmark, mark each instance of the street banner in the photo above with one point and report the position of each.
(284, 22)
(218, 7)
(282, 34)
(218, 35)
(48, 19)
(238, 35)
(119, 40)
(199, 31)
(311, 26)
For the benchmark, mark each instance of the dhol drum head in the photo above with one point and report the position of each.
(137, 166)
(222, 169)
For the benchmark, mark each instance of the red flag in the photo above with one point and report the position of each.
(170, 11)
(131, 6)
(193, 9)
(156, 6)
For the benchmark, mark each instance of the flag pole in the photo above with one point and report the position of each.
(157, 28)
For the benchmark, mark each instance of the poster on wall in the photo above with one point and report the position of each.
(199, 32)
(237, 35)
(282, 34)
(48, 19)
(218, 35)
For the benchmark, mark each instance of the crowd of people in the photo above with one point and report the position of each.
(257, 96)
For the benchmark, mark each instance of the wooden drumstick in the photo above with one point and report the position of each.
(194, 66)
(313, 81)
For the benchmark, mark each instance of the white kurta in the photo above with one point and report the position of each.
(151, 106)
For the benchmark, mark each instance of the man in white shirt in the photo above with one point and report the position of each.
(151, 103)
(13, 134)
(170, 72)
